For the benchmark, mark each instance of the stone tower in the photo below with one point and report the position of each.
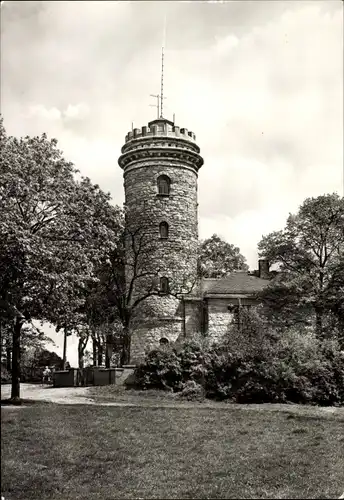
(160, 167)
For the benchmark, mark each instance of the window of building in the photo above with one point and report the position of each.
(163, 229)
(164, 287)
(163, 341)
(164, 185)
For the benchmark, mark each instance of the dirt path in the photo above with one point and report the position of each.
(63, 395)
(84, 396)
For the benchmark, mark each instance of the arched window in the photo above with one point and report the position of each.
(163, 229)
(164, 288)
(164, 185)
(163, 341)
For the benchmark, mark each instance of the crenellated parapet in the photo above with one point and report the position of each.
(160, 127)
(160, 141)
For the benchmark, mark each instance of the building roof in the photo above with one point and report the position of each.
(239, 282)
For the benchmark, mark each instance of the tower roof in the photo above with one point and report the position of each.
(160, 121)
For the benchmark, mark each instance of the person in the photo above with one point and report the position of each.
(67, 366)
(46, 375)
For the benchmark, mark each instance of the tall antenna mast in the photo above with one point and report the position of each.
(162, 69)
(162, 84)
(160, 97)
(157, 105)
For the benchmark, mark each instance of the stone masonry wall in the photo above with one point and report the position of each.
(148, 334)
(220, 318)
(156, 318)
(193, 318)
(174, 257)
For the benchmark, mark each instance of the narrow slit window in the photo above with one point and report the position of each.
(164, 185)
(164, 287)
(163, 229)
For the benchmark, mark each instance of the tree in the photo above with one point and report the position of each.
(34, 361)
(128, 277)
(218, 259)
(310, 254)
(102, 317)
(98, 320)
(32, 338)
(94, 317)
(55, 228)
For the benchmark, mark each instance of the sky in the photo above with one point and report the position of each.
(260, 84)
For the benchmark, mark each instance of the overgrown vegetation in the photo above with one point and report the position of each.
(253, 364)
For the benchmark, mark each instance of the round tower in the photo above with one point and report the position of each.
(160, 168)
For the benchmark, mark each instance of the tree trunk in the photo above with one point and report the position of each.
(81, 350)
(64, 350)
(319, 310)
(108, 351)
(94, 353)
(239, 317)
(100, 354)
(319, 313)
(125, 355)
(9, 359)
(15, 390)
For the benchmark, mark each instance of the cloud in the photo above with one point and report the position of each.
(77, 112)
(260, 83)
(224, 45)
(40, 111)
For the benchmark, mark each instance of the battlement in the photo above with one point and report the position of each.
(160, 127)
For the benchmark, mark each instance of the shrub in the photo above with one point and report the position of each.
(292, 366)
(253, 337)
(191, 391)
(194, 361)
(321, 376)
(302, 370)
(168, 368)
(160, 370)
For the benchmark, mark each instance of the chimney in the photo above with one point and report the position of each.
(264, 269)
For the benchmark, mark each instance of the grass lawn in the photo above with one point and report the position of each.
(119, 394)
(79, 452)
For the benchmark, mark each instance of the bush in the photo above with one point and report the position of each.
(320, 375)
(161, 370)
(299, 369)
(191, 391)
(194, 361)
(294, 366)
(169, 368)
